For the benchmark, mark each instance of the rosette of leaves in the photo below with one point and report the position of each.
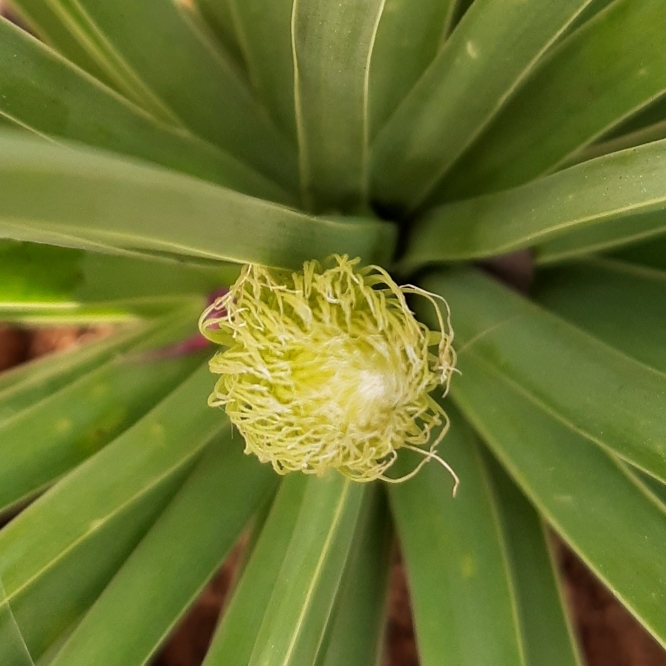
(148, 149)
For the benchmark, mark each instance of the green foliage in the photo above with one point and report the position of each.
(149, 149)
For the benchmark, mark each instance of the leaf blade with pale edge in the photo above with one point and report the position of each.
(547, 635)
(29, 383)
(619, 303)
(14, 650)
(407, 42)
(588, 85)
(332, 46)
(356, 630)
(36, 278)
(302, 599)
(235, 636)
(46, 94)
(264, 31)
(598, 392)
(616, 233)
(218, 15)
(211, 99)
(49, 26)
(174, 561)
(597, 509)
(456, 562)
(93, 201)
(157, 450)
(596, 197)
(52, 436)
(461, 92)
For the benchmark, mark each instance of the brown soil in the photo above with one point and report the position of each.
(608, 634)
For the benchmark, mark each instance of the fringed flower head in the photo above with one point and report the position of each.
(328, 368)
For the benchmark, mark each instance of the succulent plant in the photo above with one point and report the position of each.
(315, 176)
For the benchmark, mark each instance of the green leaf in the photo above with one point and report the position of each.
(619, 303)
(94, 201)
(303, 596)
(462, 593)
(652, 486)
(654, 132)
(642, 119)
(590, 11)
(77, 576)
(211, 98)
(28, 383)
(595, 390)
(54, 542)
(46, 94)
(48, 24)
(264, 33)
(235, 637)
(547, 635)
(35, 277)
(587, 86)
(356, 631)
(407, 42)
(619, 191)
(618, 531)
(615, 233)
(173, 563)
(651, 254)
(492, 51)
(50, 436)
(218, 15)
(332, 45)
(279, 611)
(14, 649)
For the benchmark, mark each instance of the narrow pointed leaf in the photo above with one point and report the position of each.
(93, 201)
(302, 599)
(619, 303)
(597, 391)
(654, 132)
(462, 592)
(651, 114)
(27, 384)
(611, 236)
(36, 277)
(173, 562)
(62, 523)
(235, 637)
(590, 11)
(48, 95)
(589, 84)
(407, 42)
(655, 488)
(333, 44)
(51, 436)
(356, 630)
(14, 650)
(609, 521)
(265, 38)
(224, 111)
(462, 92)
(74, 580)
(651, 254)
(218, 15)
(48, 24)
(616, 192)
(547, 635)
